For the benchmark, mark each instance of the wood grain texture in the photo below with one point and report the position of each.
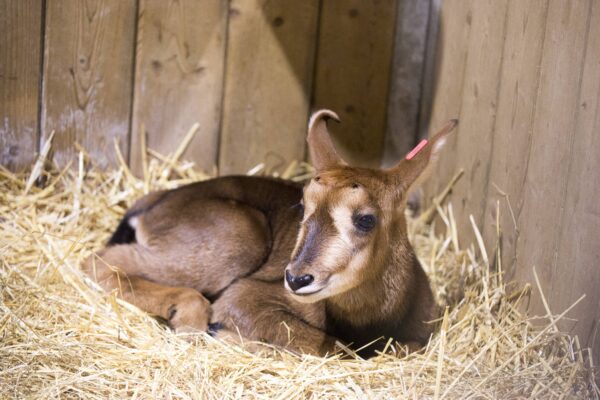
(429, 68)
(88, 67)
(452, 48)
(544, 147)
(20, 39)
(179, 77)
(406, 79)
(551, 144)
(576, 254)
(270, 53)
(478, 112)
(519, 81)
(353, 72)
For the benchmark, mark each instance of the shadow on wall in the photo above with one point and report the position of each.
(248, 72)
(350, 53)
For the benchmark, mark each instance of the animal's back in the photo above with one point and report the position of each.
(207, 234)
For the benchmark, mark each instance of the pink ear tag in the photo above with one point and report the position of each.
(417, 149)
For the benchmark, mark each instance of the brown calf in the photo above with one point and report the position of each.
(262, 257)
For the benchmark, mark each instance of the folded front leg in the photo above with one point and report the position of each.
(185, 309)
(262, 311)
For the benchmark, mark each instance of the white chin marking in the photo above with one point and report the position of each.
(308, 294)
(308, 289)
(309, 298)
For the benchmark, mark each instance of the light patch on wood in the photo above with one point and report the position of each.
(20, 55)
(89, 48)
(353, 74)
(268, 78)
(179, 78)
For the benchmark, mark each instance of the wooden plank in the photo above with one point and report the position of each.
(478, 113)
(552, 144)
(471, 147)
(20, 39)
(517, 99)
(576, 253)
(179, 77)
(406, 79)
(455, 22)
(353, 72)
(88, 67)
(270, 53)
(545, 150)
(429, 68)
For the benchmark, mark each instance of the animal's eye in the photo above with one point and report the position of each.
(365, 222)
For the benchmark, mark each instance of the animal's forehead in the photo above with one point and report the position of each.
(368, 179)
(350, 194)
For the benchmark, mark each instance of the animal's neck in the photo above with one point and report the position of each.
(377, 298)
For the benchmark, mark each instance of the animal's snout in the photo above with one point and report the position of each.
(297, 282)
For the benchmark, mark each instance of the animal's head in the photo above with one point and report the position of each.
(352, 216)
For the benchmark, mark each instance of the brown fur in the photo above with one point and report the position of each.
(232, 239)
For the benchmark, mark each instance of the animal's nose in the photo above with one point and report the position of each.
(297, 282)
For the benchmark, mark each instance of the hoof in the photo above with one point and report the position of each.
(214, 328)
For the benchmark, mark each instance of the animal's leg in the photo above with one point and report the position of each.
(262, 311)
(185, 309)
(202, 244)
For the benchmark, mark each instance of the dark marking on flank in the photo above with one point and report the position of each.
(124, 234)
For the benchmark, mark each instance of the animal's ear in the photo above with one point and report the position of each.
(320, 146)
(418, 161)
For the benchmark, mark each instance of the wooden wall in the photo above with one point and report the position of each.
(523, 77)
(249, 72)
(20, 70)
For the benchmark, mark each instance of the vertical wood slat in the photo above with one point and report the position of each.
(455, 28)
(20, 39)
(477, 115)
(545, 150)
(179, 77)
(352, 77)
(88, 67)
(577, 257)
(514, 122)
(551, 144)
(429, 67)
(270, 53)
(406, 79)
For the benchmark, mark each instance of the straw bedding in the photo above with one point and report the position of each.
(61, 337)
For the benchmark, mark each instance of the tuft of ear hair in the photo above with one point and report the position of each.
(320, 146)
(419, 160)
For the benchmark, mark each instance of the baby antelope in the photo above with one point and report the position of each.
(266, 259)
